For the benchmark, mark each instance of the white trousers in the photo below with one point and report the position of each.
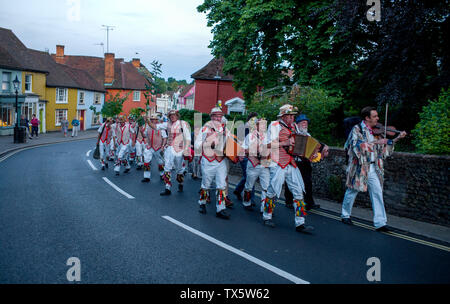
(376, 197)
(75, 130)
(173, 161)
(294, 180)
(149, 155)
(214, 171)
(104, 151)
(253, 173)
(122, 157)
(139, 153)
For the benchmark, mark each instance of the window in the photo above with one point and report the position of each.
(61, 95)
(6, 115)
(6, 81)
(59, 116)
(95, 119)
(97, 98)
(136, 96)
(28, 83)
(81, 98)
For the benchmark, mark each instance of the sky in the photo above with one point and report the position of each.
(170, 31)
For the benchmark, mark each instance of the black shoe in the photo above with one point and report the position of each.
(145, 180)
(223, 215)
(238, 195)
(117, 173)
(347, 221)
(103, 168)
(269, 223)
(202, 209)
(303, 228)
(180, 188)
(290, 206)
(126, 171)
(139, 168)
(383, 229)
(166, 192)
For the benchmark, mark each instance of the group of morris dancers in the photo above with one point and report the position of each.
(269, 150)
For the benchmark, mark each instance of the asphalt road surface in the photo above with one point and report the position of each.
(55, 206)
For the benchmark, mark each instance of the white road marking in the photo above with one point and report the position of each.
(117, 188)
(92, 165)
(257, 261)
(88, 152)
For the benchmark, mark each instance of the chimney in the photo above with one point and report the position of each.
(109, 67)
(136, 62)
(59, 54)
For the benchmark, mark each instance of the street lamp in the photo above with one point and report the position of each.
(16, 84)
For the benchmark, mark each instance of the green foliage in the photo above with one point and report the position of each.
(188, 116)
(432, 133)
(330, 44)
(136, 113)
(156, 68)
(113, 105)
(317, 104)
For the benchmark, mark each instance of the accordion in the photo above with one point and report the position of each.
(306, 146)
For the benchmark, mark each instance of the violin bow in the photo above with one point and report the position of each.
(385, 120)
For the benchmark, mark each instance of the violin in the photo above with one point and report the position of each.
(391, 132)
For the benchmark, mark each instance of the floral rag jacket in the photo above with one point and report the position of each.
(359, 158)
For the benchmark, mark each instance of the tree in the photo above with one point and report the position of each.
(156, 68)
(432, 133)
(330, 44)
(112, 106)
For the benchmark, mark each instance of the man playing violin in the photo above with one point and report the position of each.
(365, 168)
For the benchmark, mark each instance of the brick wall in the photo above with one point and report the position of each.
(416, 186)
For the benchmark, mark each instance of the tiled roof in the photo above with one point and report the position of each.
(211, 70)
(15, 54)
(186, 90)
(126, 76)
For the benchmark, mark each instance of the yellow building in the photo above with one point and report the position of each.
(33, 86)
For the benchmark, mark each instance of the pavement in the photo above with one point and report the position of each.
(8, 146)
(364, 215)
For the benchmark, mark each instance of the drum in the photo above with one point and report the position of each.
(232, 149)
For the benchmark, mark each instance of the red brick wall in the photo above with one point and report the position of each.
(208, 92)
(129, 103)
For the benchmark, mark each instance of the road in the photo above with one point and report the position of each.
(54, 206)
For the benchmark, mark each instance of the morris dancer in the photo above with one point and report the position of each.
(132, 144)
(258, 161)
(211, 141)
(112, 146)
(140, 142)
(104, 141)
(177, 146)
(123, 138)
(280, 136)
(155, 140)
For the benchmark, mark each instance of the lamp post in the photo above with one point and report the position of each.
(17, 132)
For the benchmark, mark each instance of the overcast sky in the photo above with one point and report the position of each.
(170, 31)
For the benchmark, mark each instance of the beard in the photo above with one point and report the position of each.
(303, 131)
